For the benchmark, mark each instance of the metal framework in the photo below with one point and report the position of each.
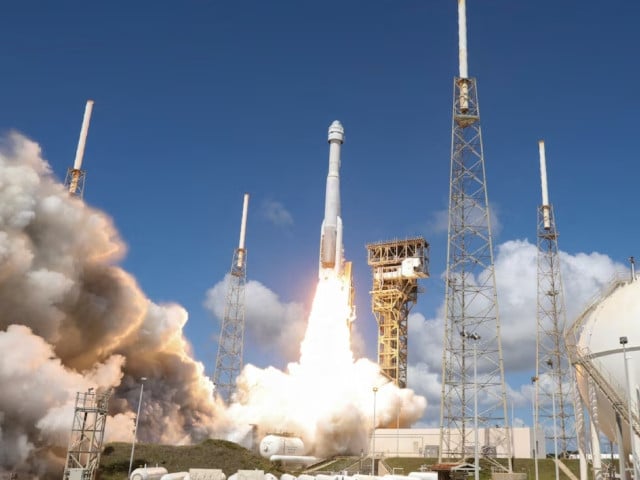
(231, 342)
(471, 307)
(553, 368)
(74, 182)
(396, 267)
(87, 435)
(229, 360)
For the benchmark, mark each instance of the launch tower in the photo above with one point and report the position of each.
(472, 326)
(396, 266)
(87, 434)
(554, 406)
(231, 341)
(74, 182)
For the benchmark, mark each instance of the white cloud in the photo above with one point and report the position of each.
(276, 213)
(583, 275)
(272, 323)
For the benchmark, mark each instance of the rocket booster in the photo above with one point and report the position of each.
(331, 251)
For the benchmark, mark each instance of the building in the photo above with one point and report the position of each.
(425, 442)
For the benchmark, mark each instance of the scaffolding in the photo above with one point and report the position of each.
(229, 359)
(553, 368)
(87, 435)
(396, 267)
(472, 326)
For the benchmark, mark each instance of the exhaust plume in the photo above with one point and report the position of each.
(72, 319)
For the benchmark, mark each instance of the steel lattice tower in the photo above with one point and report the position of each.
(553, 368)
(472, 326)
(229, 360)
(74, 181)
(87, 435)
(396, 268)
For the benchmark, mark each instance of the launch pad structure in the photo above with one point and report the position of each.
(87, 435)
(396, 266)
(472, 362)
(554, 406)
(229, 360)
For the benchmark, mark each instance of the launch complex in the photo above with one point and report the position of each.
(572, 375)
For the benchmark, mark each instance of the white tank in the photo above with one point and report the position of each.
(281, 445)
(175, 476)
(288, 476)
(615, 315)
(148, 473)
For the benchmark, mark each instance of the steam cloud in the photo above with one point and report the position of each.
(71, 319)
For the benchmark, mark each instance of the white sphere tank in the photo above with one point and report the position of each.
(614, 316)
(281, 445)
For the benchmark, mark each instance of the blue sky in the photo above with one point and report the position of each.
(200, 101)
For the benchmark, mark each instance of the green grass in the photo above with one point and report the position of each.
(227, 456)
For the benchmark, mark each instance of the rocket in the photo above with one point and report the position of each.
(331, 250)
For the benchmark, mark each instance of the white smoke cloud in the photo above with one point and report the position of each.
(583, 275)
(326, 397)
(72, 320)
(277, 325)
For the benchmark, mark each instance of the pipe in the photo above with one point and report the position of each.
(77, 164)
(546, 218)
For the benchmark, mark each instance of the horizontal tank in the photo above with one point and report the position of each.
(281, 445)
(175, 476)
(594, 341)
(148, 473)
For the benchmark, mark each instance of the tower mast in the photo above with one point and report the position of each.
(74, 182)
(229, 360)
(553, 369)
(472, 325)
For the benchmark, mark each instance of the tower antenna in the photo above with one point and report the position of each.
(229, 360)
(472, 325)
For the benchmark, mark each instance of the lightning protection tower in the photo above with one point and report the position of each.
(231, 340)
(396, 268)
(472, 326)
(87, 435)
(74, 182)
(554, 405)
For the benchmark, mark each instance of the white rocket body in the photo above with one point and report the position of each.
(331, 251)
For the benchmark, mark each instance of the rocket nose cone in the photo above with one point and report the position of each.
(336, 131)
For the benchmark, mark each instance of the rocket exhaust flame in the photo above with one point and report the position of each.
(325, 398)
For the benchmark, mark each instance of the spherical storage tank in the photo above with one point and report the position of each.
(281, 445)
(599, 328)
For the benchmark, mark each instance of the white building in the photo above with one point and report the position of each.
(424, 442)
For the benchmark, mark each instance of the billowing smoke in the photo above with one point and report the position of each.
(72, 320)
(327, 397)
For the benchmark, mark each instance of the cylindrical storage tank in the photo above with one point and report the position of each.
(270, 476)
(281, 445)
(175, 476)
(603, 324)
(288, 476)
(148, 473)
